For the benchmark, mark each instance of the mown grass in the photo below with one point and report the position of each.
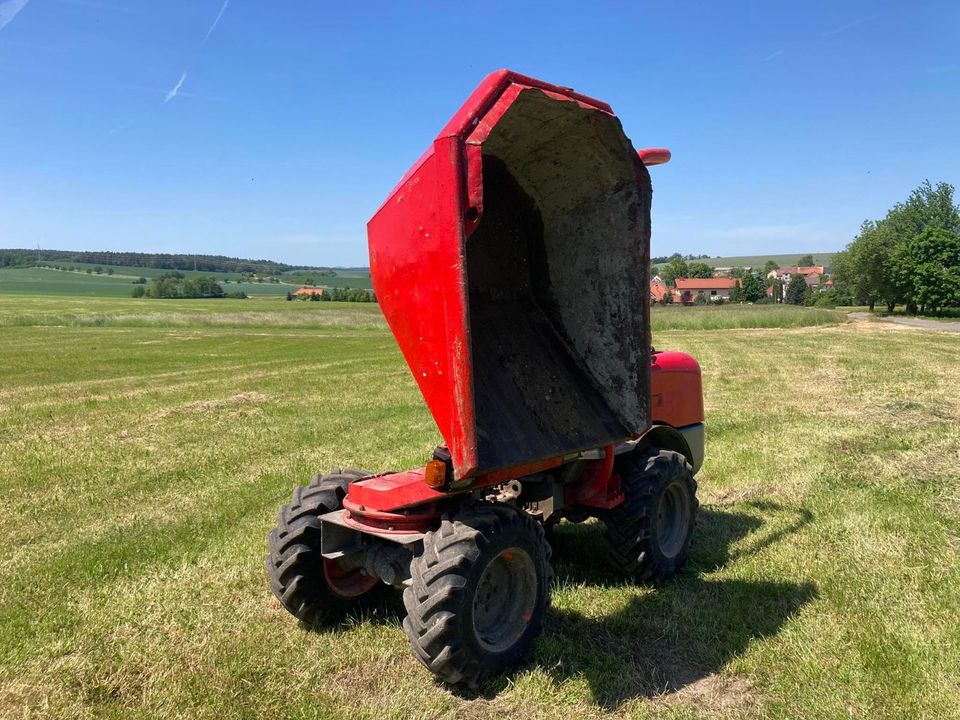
(37, 310)
(33, 310)
(141, 467)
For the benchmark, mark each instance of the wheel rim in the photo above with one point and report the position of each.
(504, 600)
(673, 519)
(347, 583)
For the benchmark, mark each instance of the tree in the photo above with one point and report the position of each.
(98, 270)
(805, 261)
(752, 288)
(769, 266)
(776, 287)
(138, 291)
(676, 267)
(699, 270)
(109, 271)
(796, 290)
(928, 266)
(882, 262)
(749, 289)
(289, 295)
(866, 267)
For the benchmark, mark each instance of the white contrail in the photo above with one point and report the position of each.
(176, 89)
(851, 24)
(10, 8)
(216, 21)
(773, 55)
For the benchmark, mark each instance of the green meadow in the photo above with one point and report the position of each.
(47, 280)
(146, 445)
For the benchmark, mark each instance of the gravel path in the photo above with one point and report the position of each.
(924, 323)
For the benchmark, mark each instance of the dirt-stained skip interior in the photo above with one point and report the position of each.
(557, 274)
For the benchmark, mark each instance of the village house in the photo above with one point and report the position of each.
(811, 274)
(713, 289)
(658, 289)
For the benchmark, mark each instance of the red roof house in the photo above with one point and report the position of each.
(658, 289)
(307, 292)
(712, 288)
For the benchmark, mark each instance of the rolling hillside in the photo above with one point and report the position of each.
(758, 261)
(45, 280)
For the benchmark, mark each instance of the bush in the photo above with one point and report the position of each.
(175, 285)
(138, 291)
(350, 295)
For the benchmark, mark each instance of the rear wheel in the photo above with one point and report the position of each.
(313, 588)
(648, 534)
(480, 590)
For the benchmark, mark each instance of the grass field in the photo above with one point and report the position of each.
(31, 309)
(143, 457)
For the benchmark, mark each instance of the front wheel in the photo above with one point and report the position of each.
(648, 534)
(313, 588)
(480, 590)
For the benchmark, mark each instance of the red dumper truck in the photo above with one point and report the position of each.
(511, 264)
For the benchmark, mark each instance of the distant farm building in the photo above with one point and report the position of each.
(725, 272)
(306, 292)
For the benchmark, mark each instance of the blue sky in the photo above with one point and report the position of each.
(274, 129)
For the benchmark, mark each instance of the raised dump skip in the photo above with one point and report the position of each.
(511, 265)
(557, 284)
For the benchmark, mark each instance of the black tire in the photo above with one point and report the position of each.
(648, 534)
(314, 590)
(464, 625)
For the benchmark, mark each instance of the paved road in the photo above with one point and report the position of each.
(924, 323)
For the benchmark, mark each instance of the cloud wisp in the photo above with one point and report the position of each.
(9, 10)
(773, 55)
(171, 94)
(216, 21)
(851, 24)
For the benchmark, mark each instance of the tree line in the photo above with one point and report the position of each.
(911, 257)
(164, 261)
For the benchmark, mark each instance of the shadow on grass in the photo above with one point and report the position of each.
(665, 637)
(670, 636)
